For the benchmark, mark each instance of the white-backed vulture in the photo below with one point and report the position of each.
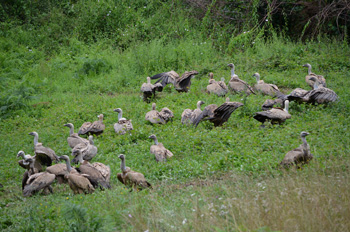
(319, 94)
(275, 115)
(264, 88)
(237, 85)
(74, 138)
(159, 151)
(298, 156)
(181, 84)
(94, 175)
(149, 90)
(44, 155)
(161, 117)
(310, 81)
(37, 181)
(123, 125)
(88, 150)
(134, 180)
(217, 87)
(79, 183)
(188, 115)
(217, 115)
(95, 128)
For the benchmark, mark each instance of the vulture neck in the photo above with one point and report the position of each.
(316, 86)
(122, 165)
(286, 106)
(36, 137)
(303, 138)
(154, 106)
(199, 105)
(257, 78)
(232, 71)
(91, 141)
(148, 80)
(69, 168)
(120, 115)
(71, 130)
(309, 69)
(155, 141)
(100, 118)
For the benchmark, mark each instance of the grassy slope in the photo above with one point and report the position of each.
(240, 148)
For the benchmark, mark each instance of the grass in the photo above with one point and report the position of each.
(220, 179)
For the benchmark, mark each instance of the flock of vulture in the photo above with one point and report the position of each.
(86, 176)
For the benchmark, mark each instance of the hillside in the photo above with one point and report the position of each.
(220, 178)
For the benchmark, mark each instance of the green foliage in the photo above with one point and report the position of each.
(72, 60)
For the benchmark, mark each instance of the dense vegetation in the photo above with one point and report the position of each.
(68, 61)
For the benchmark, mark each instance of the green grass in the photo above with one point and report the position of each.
(223, 167)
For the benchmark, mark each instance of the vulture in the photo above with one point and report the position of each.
(96, 128)
(149, 90)
(318, 95)
(123, 124)
(217, 115)
(37, 181)
(159, 151)
(97, 176)
(134, 180)
(74, 138)
(310, 75)
(79, 183)
(29, 164)
(161, 117)
(59, 170)
(217, 87)
(88, 150)
(269, 104)
(188, 116)
(275, 115)
(237, 85)
(25, 164)
(264, 88)
(298, 156)
(181, 84)
(44, 155)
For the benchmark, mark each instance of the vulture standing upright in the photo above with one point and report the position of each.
(134, 180)
(217, 87)
(95, 128)
(88, 150)
(300, 155)
(149, 90)
(309, 77)
(44, 155)
(188, 116)
(161, 117)
(123, 125)
(217, 115)
(74, 138)
(97, 176)
(237, 85)
(264, 88)
(79, 183)
(159, 151)
(181, 84)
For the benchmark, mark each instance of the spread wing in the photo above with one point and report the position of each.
(166, 78)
